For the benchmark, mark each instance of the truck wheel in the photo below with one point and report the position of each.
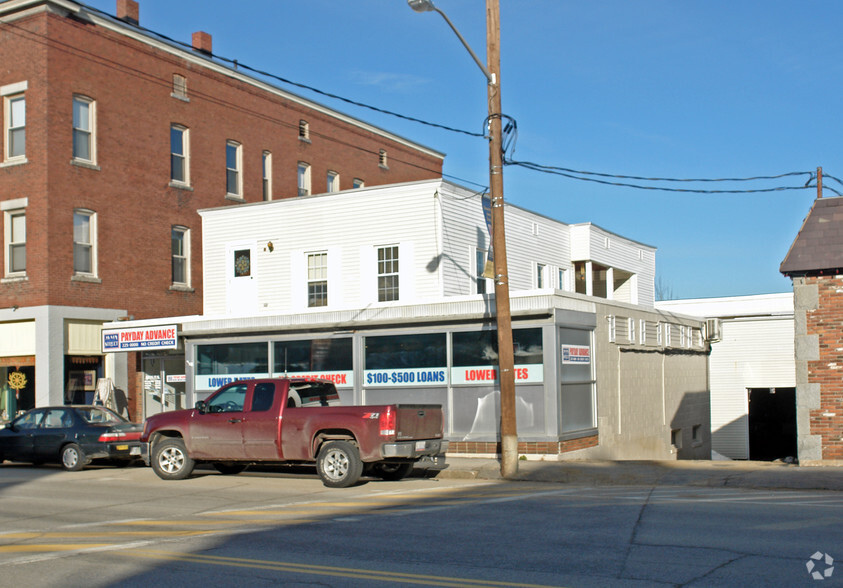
(229, 468)
(338, 464)
(392, 471)
(170, 460)
(72, 457)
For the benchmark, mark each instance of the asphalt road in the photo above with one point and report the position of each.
(125, 527)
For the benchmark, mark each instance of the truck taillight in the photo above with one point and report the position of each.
(386, 423)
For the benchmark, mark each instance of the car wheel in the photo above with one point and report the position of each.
(170, 460)
(392, 471)
(229, 468)
(338, 464)
(72, 457)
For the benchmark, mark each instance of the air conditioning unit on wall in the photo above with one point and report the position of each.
(713, 330)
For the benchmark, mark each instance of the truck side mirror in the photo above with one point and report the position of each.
(201, 406)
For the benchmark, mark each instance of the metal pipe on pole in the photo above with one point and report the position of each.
(503, 316)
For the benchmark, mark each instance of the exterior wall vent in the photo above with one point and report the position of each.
(713, 330)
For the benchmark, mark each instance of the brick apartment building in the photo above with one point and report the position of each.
(815, 264)
(113, 138)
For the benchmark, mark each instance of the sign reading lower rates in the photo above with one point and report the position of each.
(137, 338)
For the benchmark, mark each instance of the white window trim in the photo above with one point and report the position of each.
(326, 279)
(185, 231)
(378, 275)
(93, 274)
(238, 195)
(266, 175)
(185, 144)
(540, 275)
(10, 211)
(92, 122)
(478, 272)
(303, 179)
(358, 183)
(333, 181)
(7, 128)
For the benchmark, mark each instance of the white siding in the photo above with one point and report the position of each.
(753, 353)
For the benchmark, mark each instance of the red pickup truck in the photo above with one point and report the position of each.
(278, 420)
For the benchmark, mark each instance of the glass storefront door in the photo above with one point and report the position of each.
(163, 384)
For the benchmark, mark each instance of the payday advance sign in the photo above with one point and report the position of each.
(139, 338)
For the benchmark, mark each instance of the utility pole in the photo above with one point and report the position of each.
(503, 317)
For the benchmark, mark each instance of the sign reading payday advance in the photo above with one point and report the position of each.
(576, 354)
(137, 338)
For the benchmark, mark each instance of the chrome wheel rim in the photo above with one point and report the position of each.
(336, 465)
(171, 460)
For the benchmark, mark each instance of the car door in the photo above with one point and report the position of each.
(18, 437)
(217, 432)
(55, 429)
(261, 422)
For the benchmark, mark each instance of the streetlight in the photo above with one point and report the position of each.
(503, 317)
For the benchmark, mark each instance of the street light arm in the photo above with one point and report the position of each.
(427, 5)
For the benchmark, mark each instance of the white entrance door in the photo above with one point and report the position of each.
(242, 287)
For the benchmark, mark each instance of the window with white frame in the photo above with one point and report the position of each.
(84, 129)
(643, 330)
(266, 162)
(484, 285)
(631, 328)
(303, 174)
(560, 279)
(317, 279)
(388, 273)
(304, 130)
(233, 167)
(541, 278)
(179, 155)
(84, 243)
(15, 231)
(14, 110)
(358, 183)
(333, 183)
(180, 238)
(612, 332)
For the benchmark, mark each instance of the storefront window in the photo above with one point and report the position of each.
(330, 359)
(577, 402)
(408, 360)
(475, 356)
(217, 365)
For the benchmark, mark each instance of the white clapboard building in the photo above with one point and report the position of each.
(381, 290)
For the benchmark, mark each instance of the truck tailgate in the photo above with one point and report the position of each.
(418, 421)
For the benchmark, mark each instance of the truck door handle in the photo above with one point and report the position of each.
(234, 420)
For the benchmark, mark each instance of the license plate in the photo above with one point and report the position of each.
(420, 445)
(122, 447)
(135, 451)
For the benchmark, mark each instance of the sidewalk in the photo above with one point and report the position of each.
(730, 474)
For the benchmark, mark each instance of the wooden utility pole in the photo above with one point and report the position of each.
(503, 317)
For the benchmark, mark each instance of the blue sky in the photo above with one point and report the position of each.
(655, 88)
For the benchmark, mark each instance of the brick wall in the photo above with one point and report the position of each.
(825, 323)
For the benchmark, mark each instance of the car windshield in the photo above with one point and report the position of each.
(93, 414)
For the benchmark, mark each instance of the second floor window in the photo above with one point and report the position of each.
(480, 267)
(179, 168)
(180, 237)
(15, 127)
(317, 279)
(84, 145)
(540, 277)
(84, 242)
(358, 183)
(303, 173)
(16, 242)
(387, 273)
(233, 178)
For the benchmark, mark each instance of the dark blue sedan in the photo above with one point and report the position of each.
(71, 436)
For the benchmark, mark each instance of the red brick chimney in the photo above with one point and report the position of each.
(128, 11)
(202, 42)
